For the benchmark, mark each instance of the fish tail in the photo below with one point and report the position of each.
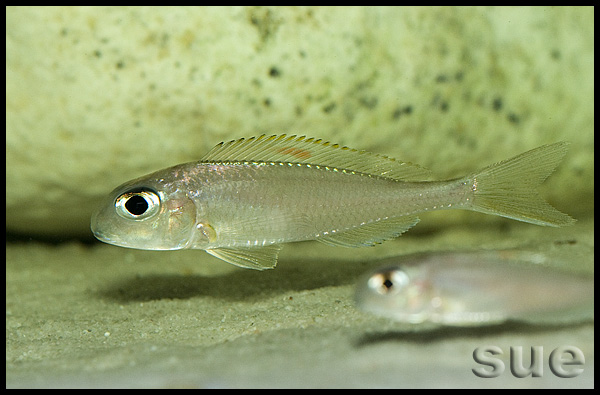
(510, 188)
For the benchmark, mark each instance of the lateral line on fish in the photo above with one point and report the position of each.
(291, 164)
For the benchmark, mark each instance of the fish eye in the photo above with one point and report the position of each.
(138, 204)
(389, 281)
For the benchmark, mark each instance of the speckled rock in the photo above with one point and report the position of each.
(99, 95)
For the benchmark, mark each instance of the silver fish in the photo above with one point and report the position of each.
(246, 197)
(475, 288)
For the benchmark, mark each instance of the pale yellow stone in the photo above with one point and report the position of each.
(99, 95)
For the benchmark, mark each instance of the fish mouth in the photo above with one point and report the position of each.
(106, 238)
(94, 228)
(102, 235)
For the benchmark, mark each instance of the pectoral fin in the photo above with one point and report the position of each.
(257, 258)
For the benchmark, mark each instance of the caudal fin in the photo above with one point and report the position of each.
(510, 188)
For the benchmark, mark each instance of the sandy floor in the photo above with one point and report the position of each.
(104, 316)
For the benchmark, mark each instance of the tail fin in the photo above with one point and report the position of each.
(509, 188)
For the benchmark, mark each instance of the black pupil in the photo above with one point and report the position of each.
(388, 283)
(136, 205)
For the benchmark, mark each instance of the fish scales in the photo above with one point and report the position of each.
(294, 202)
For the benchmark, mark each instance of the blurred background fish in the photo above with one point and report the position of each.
(478, 287)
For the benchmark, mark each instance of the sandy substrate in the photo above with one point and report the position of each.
(104, 316)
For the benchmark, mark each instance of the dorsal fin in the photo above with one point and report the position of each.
(294, 149)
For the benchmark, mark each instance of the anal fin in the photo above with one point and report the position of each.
(371, 234)
(257, 258)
